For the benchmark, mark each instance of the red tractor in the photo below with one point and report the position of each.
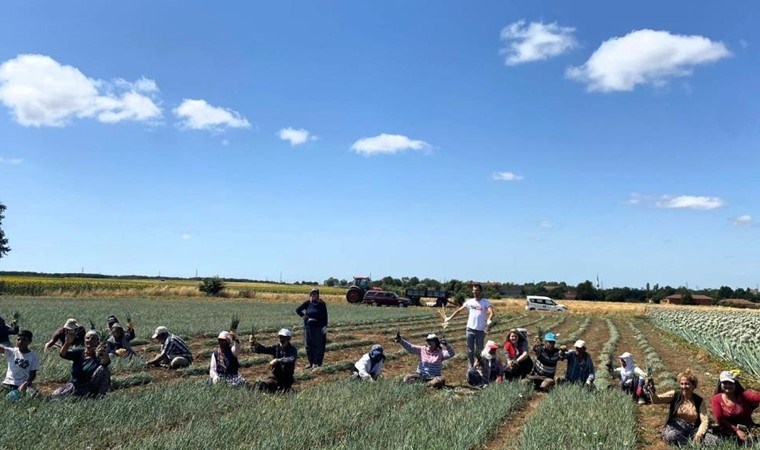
(357, 290)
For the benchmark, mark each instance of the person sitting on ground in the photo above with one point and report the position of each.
(518, 363)
(545, 368)
(90, 376)
(493, 368)
(687, 415)
(118, 343)
(432, 356)
(283, 364)
(23, 365)
(174, 354)
(580, 365)
(370, 365)
(6, 331)
(631, 377)
(224, 361)
(59, 335)
(732, 407)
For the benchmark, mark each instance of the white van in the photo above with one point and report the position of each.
(540, 303)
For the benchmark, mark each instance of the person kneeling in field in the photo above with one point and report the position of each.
(687, 415)
(370, 365)
(224, 361)
(23, 365)
(175, 354)
(547, 357)
(580, 365)
(732, 407)
(118, 343)
(632, 378)
(59, 335)
(90, 376)
(431, 357)
(283, 364)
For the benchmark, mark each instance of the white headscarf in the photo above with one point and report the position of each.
(627, 371)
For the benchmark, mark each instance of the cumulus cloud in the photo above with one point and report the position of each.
(186, 236)
(690, 202)
(506, 176)
(535, 41)
(40, 91)
(645, 57)
(743, 220)
(387, 144)
(199, 115)
(295, 136)
(11, 161)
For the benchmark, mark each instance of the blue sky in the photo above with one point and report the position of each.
(510, 141)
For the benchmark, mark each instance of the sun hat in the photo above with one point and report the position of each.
(580, 344)
(285, 332)
(727, 376)
(431, 337)
(550, 337)
(160, 330)
(91, 333)
(314, 291)
(225, 335)
(71, 324)
(491, 345)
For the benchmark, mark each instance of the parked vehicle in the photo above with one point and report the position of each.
(385, 298)
(357, 290)
(540, 303)
(415, 295)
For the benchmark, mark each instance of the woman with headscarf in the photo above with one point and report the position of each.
(314, 313)
(732, 407)
(518, 363)
(90, 376)
(370, 365)
(631, 377)
(224, 361)
(687, 414)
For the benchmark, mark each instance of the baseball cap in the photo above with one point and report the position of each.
(431, 336)
(225, 335)
(491, 345)
(580, 343)
(727, 376)
(160, 330)
(550, 337)
(285, 332)
(71, 324)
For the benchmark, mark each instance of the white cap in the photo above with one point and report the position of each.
(625, 355)
(91, 333)
(580, 344)
(160, 330)
(225, 335)
(431, 336)
(285, 332)
(727, 376)
(71, 324)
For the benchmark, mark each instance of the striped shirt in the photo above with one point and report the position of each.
(546, 361)
(431, 363)
(174, 346)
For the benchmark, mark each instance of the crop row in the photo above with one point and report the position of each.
(655, 368)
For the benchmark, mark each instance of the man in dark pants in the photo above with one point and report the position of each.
(314, 313)
(283, 364)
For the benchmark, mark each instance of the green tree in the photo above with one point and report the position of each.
(332, 281)
(725, 292)
(4, 249)
(587, 291)
(211, 286)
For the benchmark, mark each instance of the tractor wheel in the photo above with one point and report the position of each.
(353, 296)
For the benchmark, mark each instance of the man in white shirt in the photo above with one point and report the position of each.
(481, 315)
(23, 364)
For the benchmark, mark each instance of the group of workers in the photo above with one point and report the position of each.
(732, 405)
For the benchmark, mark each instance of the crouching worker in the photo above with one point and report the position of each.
(117, 345)
(174, 354)
(224, 361)
(431, 357)
(23, 365)
(488, 367)
(580, 365)
(90, 376)
(631, 377)
(59, 335)
(687, 415)
(370, 365)
(545, 368)
(283, 364)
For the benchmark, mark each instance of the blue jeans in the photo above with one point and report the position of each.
(475, 342)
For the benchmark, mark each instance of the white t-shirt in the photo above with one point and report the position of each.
(478, 313)
(20, 365)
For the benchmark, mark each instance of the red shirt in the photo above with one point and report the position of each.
(728, 417)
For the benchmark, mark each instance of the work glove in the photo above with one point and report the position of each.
(324, 329)
(489, 322)
(444, 342)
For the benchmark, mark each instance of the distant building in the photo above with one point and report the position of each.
(699, 299)
(571, 295)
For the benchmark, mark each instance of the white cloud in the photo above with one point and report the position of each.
(186, 236)
(535, 41)
(636, 199)
(645, 57)
(11, 161)
(199, 115)
(387, 144)
(39, 91)
(506, 176)
(546, 224)
(690, 202)
(295, 136)
(743, 220)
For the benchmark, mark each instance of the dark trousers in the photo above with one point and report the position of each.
(315, 344)
(272, 384)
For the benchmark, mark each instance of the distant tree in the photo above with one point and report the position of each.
(4, 249)
(331, 282)
(725, 292)
(647, 287)
(587, 291)
(686, 297)
(414, 281)
(211, 286)
(343, 282)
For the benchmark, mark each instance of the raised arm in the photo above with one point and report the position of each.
(410, 348)
(454, 314)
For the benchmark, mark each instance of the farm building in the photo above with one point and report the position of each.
(699, 299)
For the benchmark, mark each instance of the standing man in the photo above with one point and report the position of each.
(481, 315)
(314, 313)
